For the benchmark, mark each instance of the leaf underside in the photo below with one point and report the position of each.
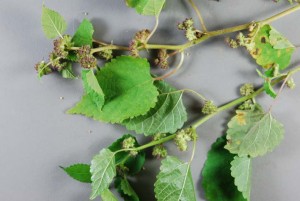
(53, 23)
(103, 171)
(253, 133)
(174, 182)
(241, 171)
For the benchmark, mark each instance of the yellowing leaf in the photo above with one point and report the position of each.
(270, 48)
(260, 134)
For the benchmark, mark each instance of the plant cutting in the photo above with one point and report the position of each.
(125, 91)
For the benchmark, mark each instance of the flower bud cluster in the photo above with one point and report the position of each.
(42, 68)
(191, 33)
(162, 59)
(85, 58)
(159, 151)
(183, 136)
(247, 89)
(209, 107)
(62, 46)
(129, 143)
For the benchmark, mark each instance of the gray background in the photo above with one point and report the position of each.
(37, 136)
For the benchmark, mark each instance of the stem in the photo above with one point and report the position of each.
(211, 34)
(198, 14)
(288, 75)
(154, 29)
(280, 15)
(108, 47)
(234, 103)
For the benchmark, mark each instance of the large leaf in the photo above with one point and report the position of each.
(125, 189)
(133, 163)
(253, 133)
(174, 181)
(107, 195)
(79, 172)
(147, 7)
(167, 116)
(103, 171)
(217, 182)
(84, 34)
(128, 88)
(241, 170)
(53, 23)
(271, 48)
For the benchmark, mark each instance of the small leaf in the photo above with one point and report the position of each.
(79, 172)
(217, 182)
(92, 88)
(128, 88)
(84, 34)
(174, 181)
(133, 163)
(241, 170)
(147, 7)
(167, 116)
(125, 189)
(253, 133)
(269, 89)
(53, 23)
(265, 54)
(107, 195)
(103, 171)
(68, 72)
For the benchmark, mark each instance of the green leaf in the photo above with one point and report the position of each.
(128, 88)
(269, 89)
(79, 172)
(68, 72)
(167, 116)
(133, 163)
(84, 34)
(174, 182)
(92, 88)
(241, 170)
(125, 189)
(253, 133)
(278, 41)
(53, 23)
(103, 171)
(107, 195)
(147, 7)
(264, 52)
(217, 182)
